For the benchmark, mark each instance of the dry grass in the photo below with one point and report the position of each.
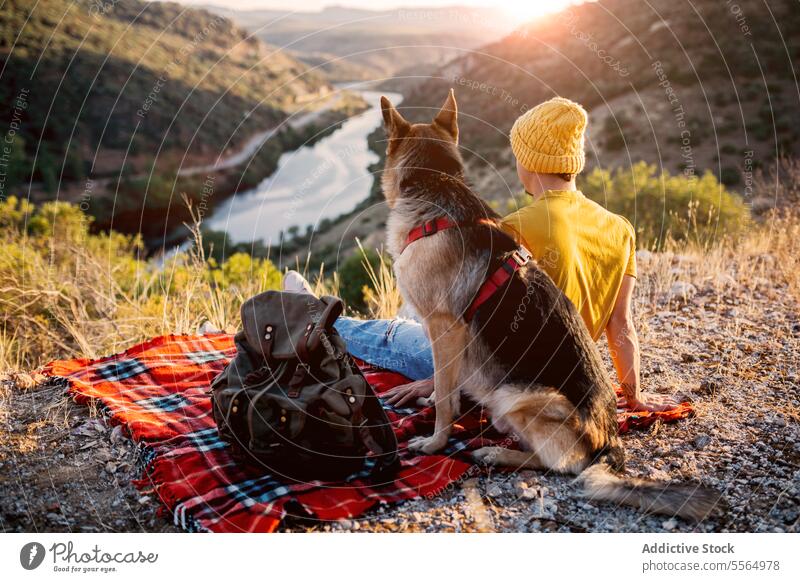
(733, 349)
(769, 252)
(66, 293)
(81, 309)
(383, 300)
(79, 295)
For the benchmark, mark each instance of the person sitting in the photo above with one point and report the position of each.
(588, 251)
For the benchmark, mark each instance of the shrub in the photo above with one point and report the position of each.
(730, 176)
(67, 292)
(663, 206)
(354, 278)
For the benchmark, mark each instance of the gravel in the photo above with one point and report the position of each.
(62, 469)
(728, 341)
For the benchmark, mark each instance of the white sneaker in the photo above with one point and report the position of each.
(407, 312)
(294, 282)
(206, 328)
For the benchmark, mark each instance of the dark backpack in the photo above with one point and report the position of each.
(293, 400)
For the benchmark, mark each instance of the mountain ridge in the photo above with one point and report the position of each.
(628, 66)
(137, 78)
(375, 43)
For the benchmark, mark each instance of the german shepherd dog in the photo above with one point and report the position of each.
(526, 355)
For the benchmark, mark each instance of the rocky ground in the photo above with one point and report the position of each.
(63, 469)
(723, 332)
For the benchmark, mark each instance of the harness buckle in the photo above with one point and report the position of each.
(521, 256)
(429, 228)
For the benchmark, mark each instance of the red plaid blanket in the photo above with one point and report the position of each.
(157, 391)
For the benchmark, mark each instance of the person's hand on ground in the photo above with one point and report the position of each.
(409, 393)
(652, 402)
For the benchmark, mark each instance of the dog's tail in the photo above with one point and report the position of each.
(689, 501)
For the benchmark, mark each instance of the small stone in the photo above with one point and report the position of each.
(709, 387)
(144, 500)
(670, 524)
(659, 475)
(778, 420)
(520, 487)
(681, 291)
(724, 280)
(117, 435)
(111, 468)
(91, 428)
(346, 524)
(105, 455)
(23, 380)
(701, 441)
(494, 491)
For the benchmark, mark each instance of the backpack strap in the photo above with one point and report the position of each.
(374, 427)
(312, 336)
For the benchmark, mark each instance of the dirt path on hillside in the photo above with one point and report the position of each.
(727, 335)
(254, 143)
(72, 191)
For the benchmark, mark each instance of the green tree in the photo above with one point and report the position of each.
(354, 279)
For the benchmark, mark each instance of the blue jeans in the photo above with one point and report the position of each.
(399, 345)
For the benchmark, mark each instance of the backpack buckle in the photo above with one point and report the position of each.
(300, 372)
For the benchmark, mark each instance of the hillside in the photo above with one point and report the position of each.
(728, 339)
(125, 105)
(111, 89)
(686, 85)
(356, 44)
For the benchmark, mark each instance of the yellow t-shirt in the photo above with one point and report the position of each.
(584, 248)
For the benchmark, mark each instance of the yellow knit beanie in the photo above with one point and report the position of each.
(548, 139)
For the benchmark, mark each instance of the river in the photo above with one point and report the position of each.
(310, 184)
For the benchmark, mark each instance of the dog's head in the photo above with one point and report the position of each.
(419, 147)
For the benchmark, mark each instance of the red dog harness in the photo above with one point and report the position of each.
(518, 259)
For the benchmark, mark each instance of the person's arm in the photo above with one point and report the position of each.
(624, 346)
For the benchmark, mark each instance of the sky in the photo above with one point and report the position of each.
(522, 7)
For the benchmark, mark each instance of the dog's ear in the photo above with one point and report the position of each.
(393, 122)
(447, 118)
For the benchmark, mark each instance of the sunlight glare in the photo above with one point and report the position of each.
(530, 9)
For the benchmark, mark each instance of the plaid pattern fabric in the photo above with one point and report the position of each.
(157, 391)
